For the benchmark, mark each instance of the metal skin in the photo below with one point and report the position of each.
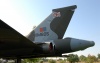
(69, 45)
(46, 40)
(53, 27)
(56, 26)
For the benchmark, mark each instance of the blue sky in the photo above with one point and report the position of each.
(22, 15)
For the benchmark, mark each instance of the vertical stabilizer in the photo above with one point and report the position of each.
(54, 26)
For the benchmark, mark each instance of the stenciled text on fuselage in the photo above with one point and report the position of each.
(42, 34)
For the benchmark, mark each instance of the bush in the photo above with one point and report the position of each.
(52, 61)
(41, 61)
(62, 61)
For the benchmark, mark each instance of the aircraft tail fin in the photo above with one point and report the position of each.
(54, 26)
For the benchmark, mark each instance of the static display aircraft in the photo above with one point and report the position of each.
(46, 40)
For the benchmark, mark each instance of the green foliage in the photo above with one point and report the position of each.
(73, 58)
(62, 61)
(41, 61)
(91, 59)
(52, 61)
(83, 58)
(31, 60)
(98, 56)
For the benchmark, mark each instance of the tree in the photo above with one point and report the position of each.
(83, 58)
(73, 58)
(98, 56)
(91, 59)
